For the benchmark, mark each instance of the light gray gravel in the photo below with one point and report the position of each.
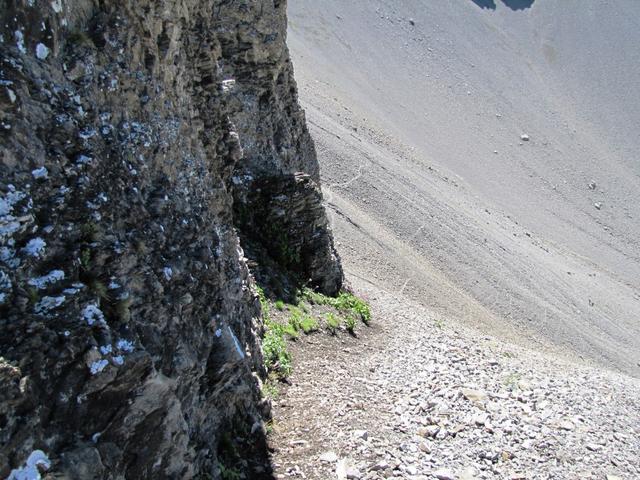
(420, 400)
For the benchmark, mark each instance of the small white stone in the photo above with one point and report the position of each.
(329, 457)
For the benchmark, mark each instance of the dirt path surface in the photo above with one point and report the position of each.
(417, 399)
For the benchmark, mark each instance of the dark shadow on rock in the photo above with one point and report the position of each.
(490, 4)
(512, 4)
(518, 4)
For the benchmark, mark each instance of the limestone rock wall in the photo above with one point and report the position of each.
(129, 331)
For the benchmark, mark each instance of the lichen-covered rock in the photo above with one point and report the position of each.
(129, 330)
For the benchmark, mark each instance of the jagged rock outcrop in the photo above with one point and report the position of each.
(128, 325)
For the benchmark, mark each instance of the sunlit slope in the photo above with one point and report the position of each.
(425, 104)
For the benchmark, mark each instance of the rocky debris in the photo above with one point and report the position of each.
(449, 403)
(128, 321)
(524, 137)
(444, 475)
(592, 185)
(598, 205)
(329, 457)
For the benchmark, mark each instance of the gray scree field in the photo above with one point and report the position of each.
(482, 158)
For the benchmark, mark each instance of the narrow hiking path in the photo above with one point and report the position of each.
(414, 398)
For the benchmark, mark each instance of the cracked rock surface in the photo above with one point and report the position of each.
(128, 322)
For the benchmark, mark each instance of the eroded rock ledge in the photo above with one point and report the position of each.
(129, 330)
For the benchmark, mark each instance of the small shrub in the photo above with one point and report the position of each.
(274, 350)
(279, 305)
(306, 308)
(315, 297)
(350, 324)
(348, 302)
(270, 388)
(308, 324)
(332, 323)
(295, 319)
(289, 330)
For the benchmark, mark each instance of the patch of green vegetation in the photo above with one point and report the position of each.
(89, 232)
(345, 302)
(309, 324)
(295, 318)
(350, 324)
(279, 305)
(348, 302)
(270, 426)
(439, 323)
(315, 298)
(301, 320)
(264, 303)
(270, 388)
(333, 323)
(99, 289)
(85, 259)
(33, 295)
(277, 358)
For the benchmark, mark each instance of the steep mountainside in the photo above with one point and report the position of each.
(137, 139)
(484, 161)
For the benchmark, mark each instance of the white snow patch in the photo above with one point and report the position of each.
(31, 471)
(56, 5)
(12, 95)
(106, 349)
(118, 360)
(218, 333)
(51, 277)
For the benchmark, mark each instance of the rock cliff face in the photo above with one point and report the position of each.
(134, 138)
